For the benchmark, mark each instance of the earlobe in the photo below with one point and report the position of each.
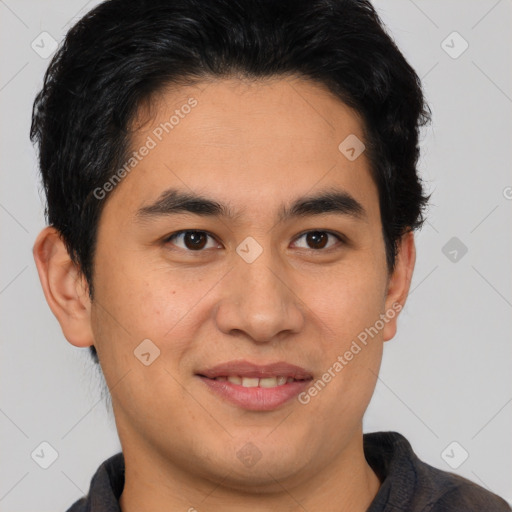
(63, 287)
(399, 283)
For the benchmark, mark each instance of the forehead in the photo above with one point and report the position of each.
(292, 107)
(245, 142)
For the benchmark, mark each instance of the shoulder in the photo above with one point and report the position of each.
(444, 491)
(451, 492)
(105, 488)
(408, 483)
(79, 506)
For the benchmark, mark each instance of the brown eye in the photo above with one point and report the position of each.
(192, 240)
(317, 240)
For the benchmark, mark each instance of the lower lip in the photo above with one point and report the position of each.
(256, 398)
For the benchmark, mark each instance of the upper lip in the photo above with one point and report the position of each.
(249, 369)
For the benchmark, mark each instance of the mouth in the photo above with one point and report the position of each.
(256, 387)
(253, 382)
(249, 369)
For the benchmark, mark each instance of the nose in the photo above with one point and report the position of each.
(259, 301)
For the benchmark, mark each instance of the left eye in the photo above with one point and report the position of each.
(318, 239)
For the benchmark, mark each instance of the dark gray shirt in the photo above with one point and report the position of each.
(407, 483)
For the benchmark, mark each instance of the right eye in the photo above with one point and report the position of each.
(193, 240)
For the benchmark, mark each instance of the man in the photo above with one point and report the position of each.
(232, 195)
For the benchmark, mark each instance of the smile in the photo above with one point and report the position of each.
(255, 394)
(253, 382)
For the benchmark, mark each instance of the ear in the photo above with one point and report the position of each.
(65, 289)
(399, 283)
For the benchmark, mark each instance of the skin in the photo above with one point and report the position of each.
(256, 146)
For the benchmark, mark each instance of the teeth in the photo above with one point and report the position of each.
(268, 382)
(249, 382)
(252, 382)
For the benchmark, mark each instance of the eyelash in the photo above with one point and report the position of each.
(178, 233)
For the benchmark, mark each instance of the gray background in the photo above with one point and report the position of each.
(445, 377)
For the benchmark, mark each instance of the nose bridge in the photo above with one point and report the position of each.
(259, 302)
(261, 287)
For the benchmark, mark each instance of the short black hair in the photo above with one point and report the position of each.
(124, 51)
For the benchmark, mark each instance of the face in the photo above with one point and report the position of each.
(268, 277)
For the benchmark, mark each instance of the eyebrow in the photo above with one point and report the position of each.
(175, 201)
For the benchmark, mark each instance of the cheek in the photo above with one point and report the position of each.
(156, 302)
(350, 300)
(351, 354)
(349, 306)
